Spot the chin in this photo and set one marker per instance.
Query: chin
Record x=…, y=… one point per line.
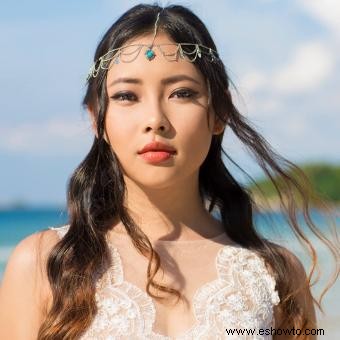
x=152, y=182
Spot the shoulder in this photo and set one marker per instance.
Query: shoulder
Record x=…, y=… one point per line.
x=34, y=245
x=30, y=253
x=24, y=289
x=29, y=256
x=286, y=259
x=251, y=270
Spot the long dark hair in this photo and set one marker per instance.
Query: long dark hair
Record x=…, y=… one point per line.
x=96, y=190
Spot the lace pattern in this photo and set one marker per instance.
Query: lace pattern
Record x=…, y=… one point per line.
x=242, y=297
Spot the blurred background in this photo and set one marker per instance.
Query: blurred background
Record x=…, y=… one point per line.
x=282, y=56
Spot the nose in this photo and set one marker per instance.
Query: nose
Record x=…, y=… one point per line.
x=156, y=118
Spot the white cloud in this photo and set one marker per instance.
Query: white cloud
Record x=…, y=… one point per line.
x=254, y=80
x=67, y=136
x=325, y=11
x=310, y=65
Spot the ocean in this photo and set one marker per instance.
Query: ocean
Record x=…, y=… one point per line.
x=16, y=224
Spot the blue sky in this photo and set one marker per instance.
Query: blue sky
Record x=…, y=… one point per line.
x=283, y=57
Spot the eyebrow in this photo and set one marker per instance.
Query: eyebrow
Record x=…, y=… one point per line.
x=165, y=81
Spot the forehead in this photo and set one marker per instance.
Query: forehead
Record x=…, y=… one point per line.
x=156, y=69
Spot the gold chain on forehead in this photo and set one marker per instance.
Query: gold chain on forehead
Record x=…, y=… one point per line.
x=187, y=51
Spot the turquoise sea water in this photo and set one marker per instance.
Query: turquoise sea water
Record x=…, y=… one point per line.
x=17, y=224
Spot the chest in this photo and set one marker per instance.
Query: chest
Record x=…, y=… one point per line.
x=234, y=291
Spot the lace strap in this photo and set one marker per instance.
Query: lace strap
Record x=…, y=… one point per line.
x=61, y=231
x=114, y=274
x=242, y=259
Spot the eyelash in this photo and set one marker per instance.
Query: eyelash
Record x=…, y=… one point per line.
x=129, y=96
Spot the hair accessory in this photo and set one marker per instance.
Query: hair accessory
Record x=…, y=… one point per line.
x=171, y=52
x=150, y=54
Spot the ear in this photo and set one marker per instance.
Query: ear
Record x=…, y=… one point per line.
x=92, y=117
x=94, y=124
x=219, y=126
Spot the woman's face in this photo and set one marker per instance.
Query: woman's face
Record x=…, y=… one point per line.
x=158, y=100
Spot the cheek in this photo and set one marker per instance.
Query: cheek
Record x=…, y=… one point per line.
x=120, y=134
x=195, y=139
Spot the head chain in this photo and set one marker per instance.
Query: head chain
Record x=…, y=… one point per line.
x=117, y=54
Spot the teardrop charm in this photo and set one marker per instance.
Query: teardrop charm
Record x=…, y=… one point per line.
x=199, y=52
x=181, y=53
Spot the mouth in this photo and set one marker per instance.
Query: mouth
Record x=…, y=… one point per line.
x=157, y=156
x=158, y=150
x=157, y=146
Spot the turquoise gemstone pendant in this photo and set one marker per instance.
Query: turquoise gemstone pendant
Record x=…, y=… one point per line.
x=150, y=54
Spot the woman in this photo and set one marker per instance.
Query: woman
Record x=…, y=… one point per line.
x=159, y=99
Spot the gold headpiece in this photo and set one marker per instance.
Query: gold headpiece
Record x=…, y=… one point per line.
x=171, y=52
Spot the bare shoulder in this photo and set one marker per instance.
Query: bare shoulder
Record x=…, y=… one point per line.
x=24, y=290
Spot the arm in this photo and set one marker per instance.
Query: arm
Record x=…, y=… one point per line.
x=23, y=293
x=297, y=275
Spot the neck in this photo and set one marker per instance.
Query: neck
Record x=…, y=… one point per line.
x=172, y=212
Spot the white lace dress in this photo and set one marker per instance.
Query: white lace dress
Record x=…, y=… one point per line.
x=227, y=288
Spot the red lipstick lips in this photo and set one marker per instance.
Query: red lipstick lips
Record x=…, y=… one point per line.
x=156, y=152
x=157, y=146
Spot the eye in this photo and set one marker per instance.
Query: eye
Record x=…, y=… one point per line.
x=124, y=96
x=184, y=93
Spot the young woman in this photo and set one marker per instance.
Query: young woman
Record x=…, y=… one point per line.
x=143, y=255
